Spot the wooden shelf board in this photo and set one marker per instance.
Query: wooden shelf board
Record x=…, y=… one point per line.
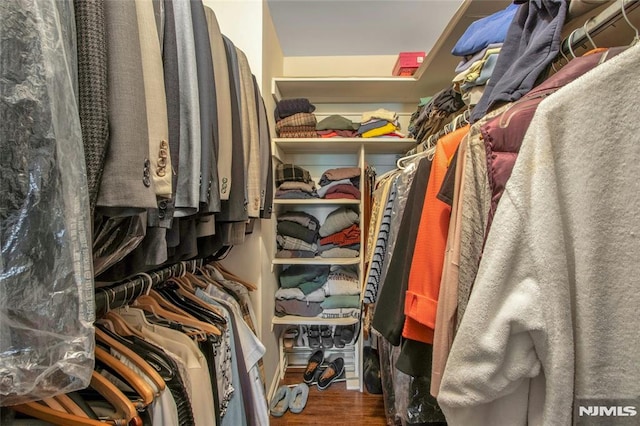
x=317, y=261
x=380, y=145
x=315, y=202
x=293, y=320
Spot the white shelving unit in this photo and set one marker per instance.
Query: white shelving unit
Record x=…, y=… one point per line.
x=318, y=155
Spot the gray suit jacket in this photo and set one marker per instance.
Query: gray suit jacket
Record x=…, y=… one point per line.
x=126, y=181
x=223, y=101
x=188, y=191
x=209, y=192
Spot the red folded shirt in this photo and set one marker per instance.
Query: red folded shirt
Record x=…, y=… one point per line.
x=346, y=237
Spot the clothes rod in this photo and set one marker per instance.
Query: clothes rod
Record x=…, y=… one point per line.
x=598, y=23
x=123, y=293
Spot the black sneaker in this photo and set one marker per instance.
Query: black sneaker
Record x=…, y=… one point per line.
x=312, y=366
x=333, y=371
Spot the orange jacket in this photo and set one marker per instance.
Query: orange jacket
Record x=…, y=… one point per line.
x=421, y=299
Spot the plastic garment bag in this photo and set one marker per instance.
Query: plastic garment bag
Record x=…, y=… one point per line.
x=46, y=278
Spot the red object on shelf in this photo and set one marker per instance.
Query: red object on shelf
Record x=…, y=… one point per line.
x=408, y=63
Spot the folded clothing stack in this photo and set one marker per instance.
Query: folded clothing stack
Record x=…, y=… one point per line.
x=295, y=118
x=380, y=122
x=294, y=182
x=341, y=183
x=342, y=291
x=297, y=235
x=340, y=234
x=301, y=291
x=337, y=126
x=479, y=47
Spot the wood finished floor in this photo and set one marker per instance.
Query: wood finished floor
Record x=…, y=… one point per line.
x=334, y=406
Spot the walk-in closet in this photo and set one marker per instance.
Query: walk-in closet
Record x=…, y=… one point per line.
x=300, y=212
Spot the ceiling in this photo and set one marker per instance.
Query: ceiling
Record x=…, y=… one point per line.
x=359, y=27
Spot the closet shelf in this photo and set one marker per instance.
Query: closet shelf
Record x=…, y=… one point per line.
x=381, y=145
x=297, y=320
x=315, y=202
x=317, y=261
x=433, y=75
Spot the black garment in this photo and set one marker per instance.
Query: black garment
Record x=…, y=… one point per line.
x=448, y=101
x=447, y=189
x=288, y=107
x=415, y=360
x=298, y=231
x=388, y=318
x=291, y=172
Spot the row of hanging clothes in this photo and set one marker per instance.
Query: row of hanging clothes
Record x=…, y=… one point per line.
x=177, y=347
x=497, y=284
x=134, y=136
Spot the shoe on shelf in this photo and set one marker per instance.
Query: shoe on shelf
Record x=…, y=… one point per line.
x=325, y=334
x=337, y=337
x=346, y=334
x=313, y=331
x=312, y=366
x=289, y=337
x=298, y=400
x=280, y=401
x=333, y=371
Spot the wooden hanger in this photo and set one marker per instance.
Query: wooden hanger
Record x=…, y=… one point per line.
x=195, y=299
x=133, y=379
x=54, y=404
x=136, y=359
x=50, y=415
x=230, y=276
x=124, y=407
x=149, y=304
x=120, y=325
x=164, y=303
x=70, y=406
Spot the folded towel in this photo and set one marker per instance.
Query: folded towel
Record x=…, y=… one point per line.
x=338, y=220
x=288, y=107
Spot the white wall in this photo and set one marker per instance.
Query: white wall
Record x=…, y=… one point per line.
x=248, y=24
x=339, y=66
